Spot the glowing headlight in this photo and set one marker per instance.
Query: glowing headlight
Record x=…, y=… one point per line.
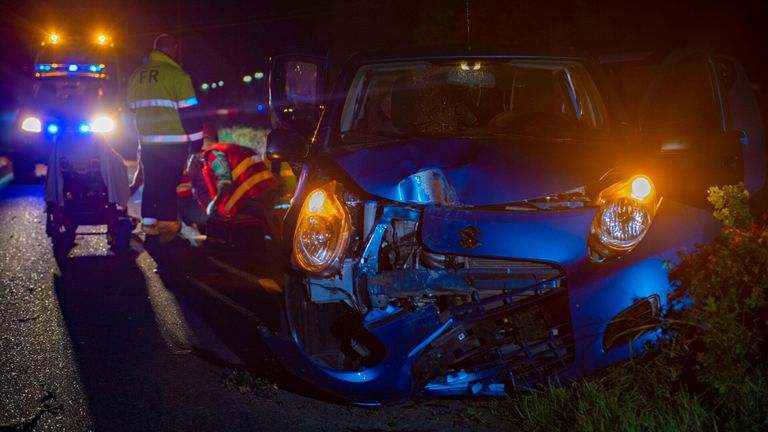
x=322, y=231
x=103, y=124
x=626, y=211
x=32, y=124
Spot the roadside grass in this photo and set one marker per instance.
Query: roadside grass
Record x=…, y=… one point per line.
x=612, y=402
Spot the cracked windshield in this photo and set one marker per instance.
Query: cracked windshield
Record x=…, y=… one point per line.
x=471, y=98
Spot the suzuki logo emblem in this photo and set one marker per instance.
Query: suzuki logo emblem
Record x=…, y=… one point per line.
x=469, y=237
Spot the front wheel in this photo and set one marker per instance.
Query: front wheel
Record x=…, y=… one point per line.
x=119, y=235
x=63, y=240
x=61, y=231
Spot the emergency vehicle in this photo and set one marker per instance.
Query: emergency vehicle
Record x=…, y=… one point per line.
x=75, y=92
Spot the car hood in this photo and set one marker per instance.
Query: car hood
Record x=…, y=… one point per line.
x=474, y=171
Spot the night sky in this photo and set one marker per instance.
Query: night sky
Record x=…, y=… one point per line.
x=224, y=39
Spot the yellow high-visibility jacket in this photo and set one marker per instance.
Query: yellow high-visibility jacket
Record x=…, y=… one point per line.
x=158, y=92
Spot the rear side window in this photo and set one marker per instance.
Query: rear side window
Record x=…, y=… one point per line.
x=685, y=93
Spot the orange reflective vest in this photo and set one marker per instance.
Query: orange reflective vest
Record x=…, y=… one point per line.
x=250, y=176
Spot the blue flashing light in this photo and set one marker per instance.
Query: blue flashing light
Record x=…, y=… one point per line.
x=53, y=128
x=47, y=67
x=84, y=128
x=72, y=68
x=260, y=107
x=93, y=68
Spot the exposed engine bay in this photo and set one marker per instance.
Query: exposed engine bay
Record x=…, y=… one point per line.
x=495, y=313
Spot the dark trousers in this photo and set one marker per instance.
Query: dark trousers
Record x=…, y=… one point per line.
x=163, y=165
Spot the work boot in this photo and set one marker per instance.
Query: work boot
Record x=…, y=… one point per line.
x=151, y=233
x=149, y=226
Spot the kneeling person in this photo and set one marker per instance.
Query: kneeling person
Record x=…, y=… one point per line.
x=236, y=178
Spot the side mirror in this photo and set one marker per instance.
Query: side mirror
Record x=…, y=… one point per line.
x=286, y=145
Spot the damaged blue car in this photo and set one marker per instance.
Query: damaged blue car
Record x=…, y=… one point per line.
x=473, y=225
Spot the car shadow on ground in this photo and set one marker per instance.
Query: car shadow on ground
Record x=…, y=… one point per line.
x=135, y=330
x=234, y=291
x=115, y=339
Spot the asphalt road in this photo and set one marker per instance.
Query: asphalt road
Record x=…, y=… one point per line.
x=98, y=341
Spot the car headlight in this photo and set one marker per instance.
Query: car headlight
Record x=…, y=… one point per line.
x=322, y=231
x=626, y=211
x=102, y=124
x=32, y=124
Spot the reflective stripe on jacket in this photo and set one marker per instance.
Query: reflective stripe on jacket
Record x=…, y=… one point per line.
x=157, y=91
x=288, y=178
x=250, y=176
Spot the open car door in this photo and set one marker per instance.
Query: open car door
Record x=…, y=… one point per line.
x=701, y=120
x=297, y=84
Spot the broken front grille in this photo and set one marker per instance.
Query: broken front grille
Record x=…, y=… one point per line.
x=520, y=337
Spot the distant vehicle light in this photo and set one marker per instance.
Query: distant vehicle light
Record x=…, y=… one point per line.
x=84, y=128
x=204, y=87
x=72, y=68
x=247, y=79
x=221, y=83
x=258, y=75
x=102, y=39
x=102, y=124
x=53, y=128
x=214, y=85
x=54, y=38
x=32, y=124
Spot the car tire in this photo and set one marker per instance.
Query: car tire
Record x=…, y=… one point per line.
x=63, y=241
x=121, y=237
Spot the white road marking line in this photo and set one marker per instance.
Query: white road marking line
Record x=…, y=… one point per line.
x=269, y=285
x=226, y=300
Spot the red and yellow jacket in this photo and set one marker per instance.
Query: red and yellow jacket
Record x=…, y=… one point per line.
x=249, y=175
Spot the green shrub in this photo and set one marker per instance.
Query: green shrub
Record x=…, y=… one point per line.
x=254, y=138
x=718, y=320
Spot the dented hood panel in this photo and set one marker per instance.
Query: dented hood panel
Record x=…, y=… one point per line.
x=474, y=171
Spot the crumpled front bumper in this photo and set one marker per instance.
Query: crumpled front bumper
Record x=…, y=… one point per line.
x=596, y=294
